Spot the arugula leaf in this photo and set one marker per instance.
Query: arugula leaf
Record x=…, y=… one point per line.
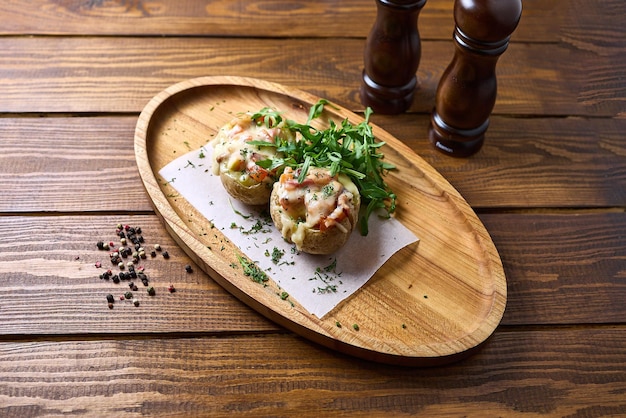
x=341, y=148
x=268, y=117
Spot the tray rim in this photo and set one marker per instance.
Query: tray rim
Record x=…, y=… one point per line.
x=183, y=236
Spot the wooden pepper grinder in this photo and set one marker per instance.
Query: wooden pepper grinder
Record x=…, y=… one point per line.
x=467, y=90
x=392, y=55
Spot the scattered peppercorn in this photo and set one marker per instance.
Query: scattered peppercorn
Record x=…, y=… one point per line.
x=355, y=326
x=110, y=305
x=130, y=240
x=188, y=269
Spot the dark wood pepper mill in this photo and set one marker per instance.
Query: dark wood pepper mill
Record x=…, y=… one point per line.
x=467, y=90
x=392, y=55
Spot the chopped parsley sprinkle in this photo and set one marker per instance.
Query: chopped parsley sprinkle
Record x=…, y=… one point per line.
x=253, y=271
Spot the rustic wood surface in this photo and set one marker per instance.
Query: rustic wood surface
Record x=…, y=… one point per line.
x=549, y=186
x=454, y=256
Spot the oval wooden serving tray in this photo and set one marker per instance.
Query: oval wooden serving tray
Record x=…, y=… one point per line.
x=430, y=304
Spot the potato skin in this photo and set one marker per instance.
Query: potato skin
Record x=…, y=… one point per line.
x=257, y=194
x=234, y=159
x=314, y=241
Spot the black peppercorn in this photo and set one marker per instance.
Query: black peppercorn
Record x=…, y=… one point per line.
x=188, y=268
x=166, y=255
x=100, y=245
x=110, y=298
x=151, y=291
x=115, y=278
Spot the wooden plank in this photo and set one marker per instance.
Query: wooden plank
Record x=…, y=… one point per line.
x=79, y=74
x=50, y=283
x=531, y=162
x=525, y=163
x=70, y=164
x=560, y=268
x=562, y=372
x=243, y=18
x=46, y=289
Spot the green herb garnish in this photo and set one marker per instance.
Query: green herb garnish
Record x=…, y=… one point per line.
x=252, y=270
x=345, y=148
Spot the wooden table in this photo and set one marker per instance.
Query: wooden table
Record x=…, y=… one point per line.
x=549, y=185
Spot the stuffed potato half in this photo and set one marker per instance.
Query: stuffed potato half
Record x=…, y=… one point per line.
x=317, y=214
x=236, y=153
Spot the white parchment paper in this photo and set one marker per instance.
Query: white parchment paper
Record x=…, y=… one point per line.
x=318, y=283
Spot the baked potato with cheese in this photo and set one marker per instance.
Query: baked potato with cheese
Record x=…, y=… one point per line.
x=237, y=150
x=317, y=214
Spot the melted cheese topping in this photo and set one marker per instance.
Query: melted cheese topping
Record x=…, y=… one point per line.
x=319, y=202
x=234, y=155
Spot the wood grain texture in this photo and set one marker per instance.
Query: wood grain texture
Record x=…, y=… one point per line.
x=114, y=74
x=45, y=290
x=549, y=186
x=49, y=275
x=461, y=273
x=524, y=373
x=525, y=163
x=228, y=18
x=585, y=272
